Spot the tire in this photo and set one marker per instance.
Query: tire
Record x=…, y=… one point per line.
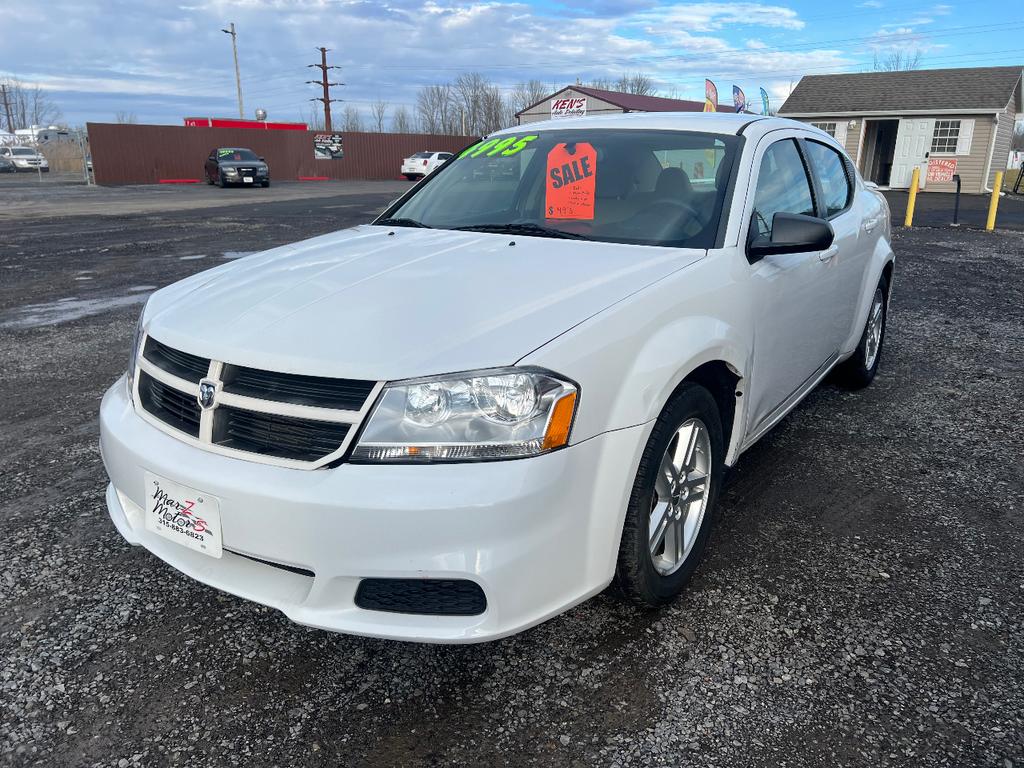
x=209, y=179
x=221, y=182
x=410, y=176
x=651, y=575
x=858, y=371
x=266, y=183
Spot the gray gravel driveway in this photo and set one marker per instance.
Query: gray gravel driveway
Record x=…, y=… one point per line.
x=861, y=603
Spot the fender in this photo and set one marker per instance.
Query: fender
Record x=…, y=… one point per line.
x=624, y=383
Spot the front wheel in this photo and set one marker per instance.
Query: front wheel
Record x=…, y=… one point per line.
x=670, y=510
x=859, y=370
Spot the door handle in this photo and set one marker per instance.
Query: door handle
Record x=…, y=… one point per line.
x=828, y=253
x=870, y=225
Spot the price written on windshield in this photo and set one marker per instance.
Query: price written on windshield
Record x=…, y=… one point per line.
x=571, y=181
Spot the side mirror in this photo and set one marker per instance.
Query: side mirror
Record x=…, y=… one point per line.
x=263, y=159
x=791, y=233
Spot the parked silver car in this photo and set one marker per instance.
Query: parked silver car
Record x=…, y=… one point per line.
x=25, y=158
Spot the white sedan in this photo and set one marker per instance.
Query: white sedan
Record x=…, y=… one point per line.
x=423, y=164
x=511, y=390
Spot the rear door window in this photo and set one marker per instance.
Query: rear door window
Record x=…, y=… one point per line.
x=828, y=166
x=782, y=185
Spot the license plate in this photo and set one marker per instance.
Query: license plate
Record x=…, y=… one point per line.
x=247, y=179
x=183, y=515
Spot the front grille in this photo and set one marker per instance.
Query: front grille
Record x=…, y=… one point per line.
x=253, y=411
x=344, y=394
x=273, y=435
x=177, y=409
x=434, y=597
x=180, y=364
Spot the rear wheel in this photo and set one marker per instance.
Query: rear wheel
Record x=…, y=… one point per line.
x=410, y=176
x=670, y=510
x=859, y=370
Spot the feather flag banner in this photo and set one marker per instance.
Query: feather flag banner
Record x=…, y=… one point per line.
x=739, y=99
x=710, y=96
x=764, y=102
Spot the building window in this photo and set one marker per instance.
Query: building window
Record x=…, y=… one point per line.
x=945, y=137
x=829, y=128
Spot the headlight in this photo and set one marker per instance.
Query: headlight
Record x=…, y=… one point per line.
x=133, y=353
x=506, y=413
x=231, y=171
x=262, y=171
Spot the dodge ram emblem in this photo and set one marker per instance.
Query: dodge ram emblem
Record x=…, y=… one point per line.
x=207, y=393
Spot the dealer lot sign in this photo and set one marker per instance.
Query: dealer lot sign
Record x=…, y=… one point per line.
x=568, y=107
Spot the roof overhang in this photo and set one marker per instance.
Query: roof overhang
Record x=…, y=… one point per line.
x=897, y=113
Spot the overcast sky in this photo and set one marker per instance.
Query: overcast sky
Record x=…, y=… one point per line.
x=164, y=60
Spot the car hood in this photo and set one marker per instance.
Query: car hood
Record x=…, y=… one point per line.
x=380, y=303
x=242, y=164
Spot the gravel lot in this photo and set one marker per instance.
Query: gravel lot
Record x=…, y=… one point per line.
x=862, y=601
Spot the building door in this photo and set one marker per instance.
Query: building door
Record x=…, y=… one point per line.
x=913, y=140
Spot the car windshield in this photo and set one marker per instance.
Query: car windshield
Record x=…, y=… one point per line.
x=628, y=186
x=24, y=151
x=246, y=155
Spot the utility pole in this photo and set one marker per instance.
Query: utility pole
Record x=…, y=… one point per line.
x=323, y=82
x=238, y=76
x=7, y=108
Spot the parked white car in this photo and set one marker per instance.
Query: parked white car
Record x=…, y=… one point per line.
x=423, y=164
x=509, y=391
x=25, y=158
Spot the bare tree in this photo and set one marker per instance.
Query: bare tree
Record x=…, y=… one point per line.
x=378, y=111
x=351, y=119
x=30, y=105
x=436, y=109
x=401, y=120
x=125, y=118
x=601, y=83
x=637, y=83
x=897, y=61
x=313, y=118
x=526, y=95
x=1018, y=137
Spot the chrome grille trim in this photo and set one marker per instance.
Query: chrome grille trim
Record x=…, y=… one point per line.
x=206, y=439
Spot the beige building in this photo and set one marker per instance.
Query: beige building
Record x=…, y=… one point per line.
x=943, y=121
x=580, y=100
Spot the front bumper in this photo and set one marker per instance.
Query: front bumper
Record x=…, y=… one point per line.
x=538, y=535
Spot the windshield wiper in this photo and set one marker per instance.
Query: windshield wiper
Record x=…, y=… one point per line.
x=400, y=222
x=522, y=228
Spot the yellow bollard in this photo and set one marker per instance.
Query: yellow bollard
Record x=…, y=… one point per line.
x=915, y=180
x=993, y=204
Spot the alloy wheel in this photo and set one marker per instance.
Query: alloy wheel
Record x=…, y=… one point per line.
x=681, y=492
x=876, y=321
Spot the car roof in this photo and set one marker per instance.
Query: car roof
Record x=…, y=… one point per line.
x=703, y=122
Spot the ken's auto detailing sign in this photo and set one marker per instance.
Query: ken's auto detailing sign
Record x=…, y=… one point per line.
x=568, y=107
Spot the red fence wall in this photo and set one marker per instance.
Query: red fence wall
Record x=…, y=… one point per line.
x=145, y=154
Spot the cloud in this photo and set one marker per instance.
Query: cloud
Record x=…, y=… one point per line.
x=165, y=61
x=871, y=4
x=708, y=17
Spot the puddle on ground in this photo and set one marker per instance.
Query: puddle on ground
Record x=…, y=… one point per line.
x=65, y=310
x=138, y=288
x=193, y=258
x=238, y=254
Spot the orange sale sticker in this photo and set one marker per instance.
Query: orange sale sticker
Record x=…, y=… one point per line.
x=571, y=177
